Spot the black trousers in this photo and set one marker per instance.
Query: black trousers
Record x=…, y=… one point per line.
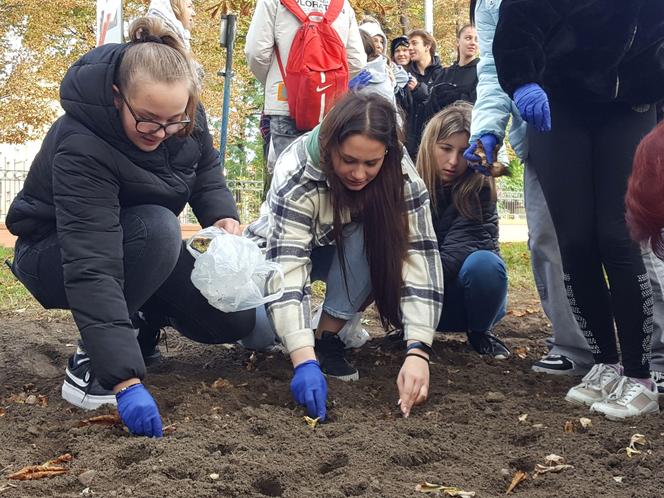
x=157, y=277
x=583, y=165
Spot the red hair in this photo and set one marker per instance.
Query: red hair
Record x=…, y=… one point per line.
x=645, y=192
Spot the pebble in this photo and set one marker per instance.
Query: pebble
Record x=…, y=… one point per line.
x=504, y=472
x=214, y=477
x=33, y=430
x=87, y=477
x=494, y=397
x=31, y=400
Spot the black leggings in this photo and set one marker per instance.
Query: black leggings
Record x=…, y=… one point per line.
x=583, y=165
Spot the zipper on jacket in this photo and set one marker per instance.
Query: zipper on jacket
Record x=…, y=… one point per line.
x=629, y=46
x=175, y=175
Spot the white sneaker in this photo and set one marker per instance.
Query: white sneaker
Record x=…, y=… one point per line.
x=595, y=386
x=629, y=398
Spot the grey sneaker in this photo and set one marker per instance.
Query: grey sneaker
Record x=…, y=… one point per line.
x=595, y=386
x=629, y=398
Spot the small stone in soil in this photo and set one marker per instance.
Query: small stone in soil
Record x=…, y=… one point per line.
x=87, y=477
x=494, y=397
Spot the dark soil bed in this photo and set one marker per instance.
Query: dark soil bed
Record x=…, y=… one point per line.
x=249, y=439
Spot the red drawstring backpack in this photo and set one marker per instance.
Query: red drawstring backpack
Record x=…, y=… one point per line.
x=317, y=70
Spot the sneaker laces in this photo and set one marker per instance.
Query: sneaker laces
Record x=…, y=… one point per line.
x=625, y=391
x=597, y=375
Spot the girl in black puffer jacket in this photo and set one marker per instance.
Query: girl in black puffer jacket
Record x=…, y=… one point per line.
x=97, y=222
x=466, y=223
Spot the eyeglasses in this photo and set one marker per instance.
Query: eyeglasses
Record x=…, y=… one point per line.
x=149, y=127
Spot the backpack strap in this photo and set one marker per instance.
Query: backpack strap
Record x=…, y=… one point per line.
x=295, y=9
x=333, y=10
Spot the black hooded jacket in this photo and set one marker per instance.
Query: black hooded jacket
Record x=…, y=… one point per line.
x=453, y=83
x=583, y=50
x=459, y=236
x=85, y=172
x=411, y=102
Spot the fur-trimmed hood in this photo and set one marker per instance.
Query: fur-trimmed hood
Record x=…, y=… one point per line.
x=597, y=50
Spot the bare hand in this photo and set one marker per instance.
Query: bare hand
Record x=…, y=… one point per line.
x=412, y=84
x=230, y=225
x=413, y=383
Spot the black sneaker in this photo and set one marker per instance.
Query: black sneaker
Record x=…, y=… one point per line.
x=658, y=379
x=331, y=356
x=80, y=387
x=485, y=343
x=558, y=364
x=149, y=333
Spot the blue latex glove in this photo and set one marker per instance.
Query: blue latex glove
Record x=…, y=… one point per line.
x=533, y=104
x=360, y=81
x=489, y=142
x=139, y=411
x=309, y=388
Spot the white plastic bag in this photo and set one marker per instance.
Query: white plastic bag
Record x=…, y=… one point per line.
x=231, y=271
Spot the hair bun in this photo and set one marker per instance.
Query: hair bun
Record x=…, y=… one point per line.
x=144, y=36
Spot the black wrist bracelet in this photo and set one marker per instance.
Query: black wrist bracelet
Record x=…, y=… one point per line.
x=418, y=355
x=421, y=346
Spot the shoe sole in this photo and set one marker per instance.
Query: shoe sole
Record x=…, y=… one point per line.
x=346, y=378
x=618, y=419
x=578, y=402
x=78, y=398
x=572, y=372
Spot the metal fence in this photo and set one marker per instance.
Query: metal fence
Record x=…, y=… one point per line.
x=248, y=195
x=511, y=204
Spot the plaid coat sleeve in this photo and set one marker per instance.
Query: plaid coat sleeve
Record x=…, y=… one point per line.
x=422, y=292
x=290, y=241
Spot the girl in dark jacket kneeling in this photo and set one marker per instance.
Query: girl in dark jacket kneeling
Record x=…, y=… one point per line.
x=97, y=222
x=466, y=224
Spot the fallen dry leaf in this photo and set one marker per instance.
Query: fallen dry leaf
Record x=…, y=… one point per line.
x=518, y=478
x=48, y=469
x=569, y=427
x=543, y=469
x=523, y=418
x=554, y=459
x=428, y=487
x=521, y=352
x=619, y=479
x=639, y=439
x=585, y=422
x=311, y=422
x=221, y=384
x=113, y=419
x=2, y=412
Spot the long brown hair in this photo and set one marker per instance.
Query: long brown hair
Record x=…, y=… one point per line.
x=156, y=53
x=380, y=205
x=454, y=118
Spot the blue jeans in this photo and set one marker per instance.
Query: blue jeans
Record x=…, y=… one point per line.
x=477, y=299
x=341, y=301
x=157, y=277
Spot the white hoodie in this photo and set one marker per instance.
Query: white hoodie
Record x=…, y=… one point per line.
x=274, y=26
x=163, y=10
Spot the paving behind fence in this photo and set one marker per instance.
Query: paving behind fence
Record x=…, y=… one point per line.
x=248, y=195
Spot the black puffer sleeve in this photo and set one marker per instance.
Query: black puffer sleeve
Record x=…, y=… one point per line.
x=87, y=211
